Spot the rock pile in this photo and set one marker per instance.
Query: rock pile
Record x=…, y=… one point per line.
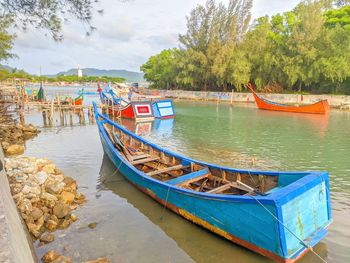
x=53, y=256
x=12, y=137
x=43, y=195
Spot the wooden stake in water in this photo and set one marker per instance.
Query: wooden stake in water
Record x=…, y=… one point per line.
x=231, y=102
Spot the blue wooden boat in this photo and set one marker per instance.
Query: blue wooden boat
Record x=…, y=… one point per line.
x=280, y=215
x=163, y=109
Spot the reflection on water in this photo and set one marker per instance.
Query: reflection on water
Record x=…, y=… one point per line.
x=200, y=244
x=133, y=228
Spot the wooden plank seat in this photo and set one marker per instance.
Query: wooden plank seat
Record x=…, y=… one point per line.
x=227, y=186
x=144, y=160
x=165, y=170
x=140, y=156
x=197, y=175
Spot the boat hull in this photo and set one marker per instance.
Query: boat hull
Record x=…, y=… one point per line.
x=320, y=107
x=140, y=111
x=239, y=219
x=78, y=102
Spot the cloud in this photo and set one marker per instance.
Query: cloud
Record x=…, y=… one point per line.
x=118, y=31
x=33, y=40
x=127, y=34
x=163, y=41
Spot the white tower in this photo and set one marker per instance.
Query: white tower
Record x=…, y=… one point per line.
x=80, y=72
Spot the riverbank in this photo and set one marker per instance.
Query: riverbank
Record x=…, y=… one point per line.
x=336, y=101
x=36, y=198
x=15, y=243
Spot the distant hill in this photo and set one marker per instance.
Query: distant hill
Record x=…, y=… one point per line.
x=130, y=76
x=6, y=67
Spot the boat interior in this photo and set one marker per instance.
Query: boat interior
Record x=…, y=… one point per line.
x=185, y=174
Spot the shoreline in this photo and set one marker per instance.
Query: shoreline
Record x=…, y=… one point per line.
x=341, y=102
x=15, y=240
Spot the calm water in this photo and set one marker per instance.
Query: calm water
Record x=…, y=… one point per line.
x=133, y=228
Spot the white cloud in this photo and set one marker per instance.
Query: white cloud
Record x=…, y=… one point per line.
x=127, y=34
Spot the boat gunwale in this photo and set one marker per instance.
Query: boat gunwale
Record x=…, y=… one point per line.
x=279, y=197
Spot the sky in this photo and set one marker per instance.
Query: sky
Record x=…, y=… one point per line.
x=127, y=34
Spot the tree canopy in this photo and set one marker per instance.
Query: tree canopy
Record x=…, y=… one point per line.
x=48, y=14
x=305, y=49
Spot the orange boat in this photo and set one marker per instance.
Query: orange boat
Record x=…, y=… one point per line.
x=320, y=107
x=78, y=100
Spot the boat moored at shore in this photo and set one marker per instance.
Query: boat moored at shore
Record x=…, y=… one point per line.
x=320, y=107
x=280, y=215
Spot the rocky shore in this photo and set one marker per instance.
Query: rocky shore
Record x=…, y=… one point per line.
x=44, y=197
x=46, y=200
x=13, y=136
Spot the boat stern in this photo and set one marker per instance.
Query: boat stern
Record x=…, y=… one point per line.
x=304, y=214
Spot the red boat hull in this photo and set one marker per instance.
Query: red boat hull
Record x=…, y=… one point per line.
x=134, y=110
x=320, y=107
x=78, y=102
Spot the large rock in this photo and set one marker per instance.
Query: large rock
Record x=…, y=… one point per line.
x=61, y=210
x=51, y=225
x=49, y=168
x=48, y=197
x=36, y=213
x=54, y=187
x=34, y=229
x=67, y=197
x=29, y=128
x=71, y=184
x=47, y=237
x=41, y=177
x=79, y=198
x=25, y=206
x=50, y=256
x=15, y=149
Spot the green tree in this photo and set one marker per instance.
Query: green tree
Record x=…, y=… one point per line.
x=160, y=70
x=47, y=14
x=6, y=40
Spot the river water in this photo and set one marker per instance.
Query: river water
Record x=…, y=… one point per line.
x=131, y=227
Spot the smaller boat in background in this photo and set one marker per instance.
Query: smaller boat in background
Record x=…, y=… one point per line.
x=138, y=110
x=141, y=110
x=320, y=107
x=79, y=100
x=163, y=109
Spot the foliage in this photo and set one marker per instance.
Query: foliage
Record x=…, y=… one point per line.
x=160, y=68
x=306, y=49
x=48, y=14
x=6, y=40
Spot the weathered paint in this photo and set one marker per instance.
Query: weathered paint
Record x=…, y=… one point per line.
x=241, y=219
x=188, y=176
x=163, y=109
x=311, y=210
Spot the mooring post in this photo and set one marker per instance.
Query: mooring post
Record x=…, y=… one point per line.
x=70, y=117
x=231, y=103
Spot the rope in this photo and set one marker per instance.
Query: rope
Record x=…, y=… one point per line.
x=290, y=231
x=166, y=202
x=115, y=171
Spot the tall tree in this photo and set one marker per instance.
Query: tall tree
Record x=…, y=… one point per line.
x=46, y=14
x=6, y=40
x=160, y=69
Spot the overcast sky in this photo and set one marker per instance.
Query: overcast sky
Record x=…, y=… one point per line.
x=127, y=34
